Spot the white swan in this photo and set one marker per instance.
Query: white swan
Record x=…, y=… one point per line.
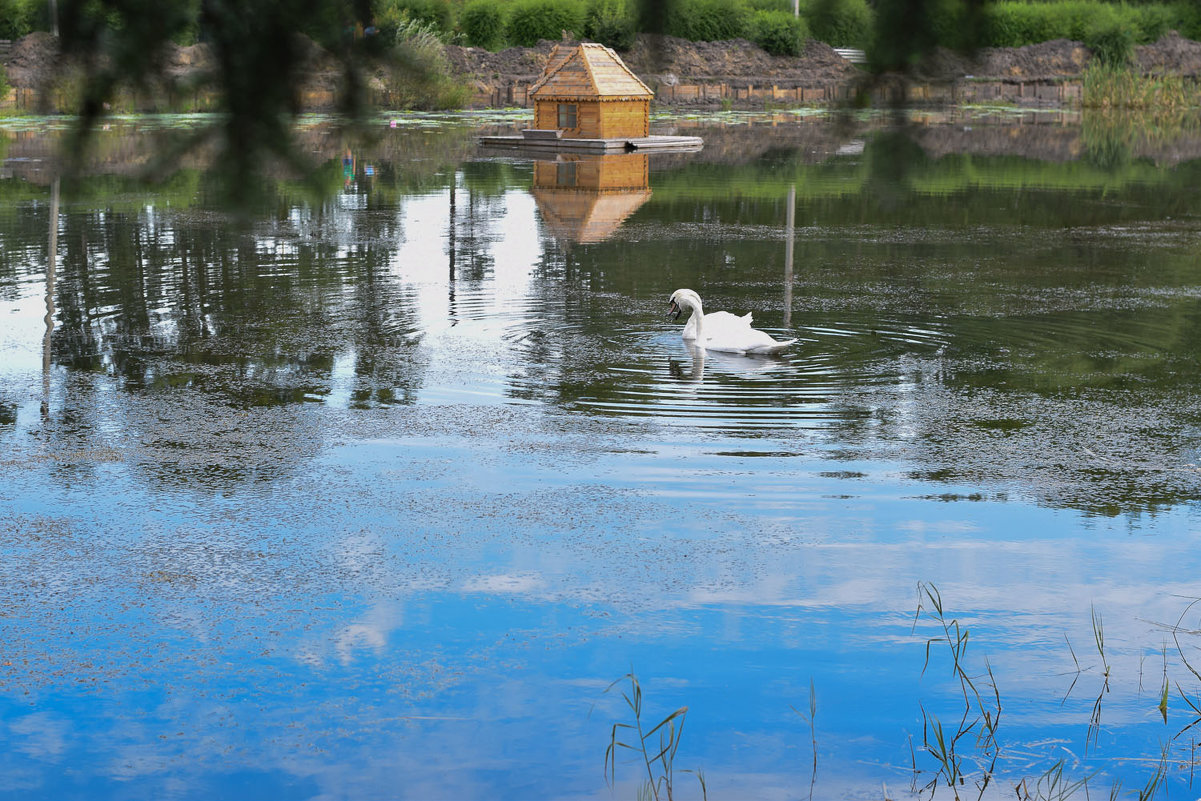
x=721, y=331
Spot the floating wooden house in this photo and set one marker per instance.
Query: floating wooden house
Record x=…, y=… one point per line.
x=587, y=92
x=588, y=100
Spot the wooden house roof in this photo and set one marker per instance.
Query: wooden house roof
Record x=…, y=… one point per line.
x=588, y=71
x=586, y=215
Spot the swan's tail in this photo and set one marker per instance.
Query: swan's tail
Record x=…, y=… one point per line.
x=775, y=347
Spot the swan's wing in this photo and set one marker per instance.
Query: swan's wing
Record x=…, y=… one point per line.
x=742, y=339
x=774, y=347
x=722, y=318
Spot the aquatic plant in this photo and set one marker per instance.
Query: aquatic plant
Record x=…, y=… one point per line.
x=811, y=718
x=1094, y=720
x=1053, y=786
x=1120, y=86
x=981, y=713
x=657, y=753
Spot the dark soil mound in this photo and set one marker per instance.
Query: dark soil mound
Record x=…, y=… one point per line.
x=1172, y=55
x=667, y=59
x=1043, y=61
x=1055, y=59
x=33, y=59
x=1060, y=58
x=514, y=63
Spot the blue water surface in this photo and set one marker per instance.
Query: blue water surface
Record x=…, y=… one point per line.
x=379, y=495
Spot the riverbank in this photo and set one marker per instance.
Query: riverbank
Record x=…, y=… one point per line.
x=739, y=75
x=733, y=74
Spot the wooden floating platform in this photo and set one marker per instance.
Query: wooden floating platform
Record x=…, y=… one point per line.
x=625, y=144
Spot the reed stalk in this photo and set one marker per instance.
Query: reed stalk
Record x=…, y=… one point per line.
x=1114, y=87
x=657, y=754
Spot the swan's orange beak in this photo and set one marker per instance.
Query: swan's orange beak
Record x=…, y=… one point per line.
x=673, y=311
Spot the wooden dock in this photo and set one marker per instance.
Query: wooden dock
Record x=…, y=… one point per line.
x=627, y=144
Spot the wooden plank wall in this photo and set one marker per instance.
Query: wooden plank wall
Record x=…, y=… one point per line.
x=589, y=119
x=605, y=119
x=617, y=171
x=610, y=172
x=621, y=118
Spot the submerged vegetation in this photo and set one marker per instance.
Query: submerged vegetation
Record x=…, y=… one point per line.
x=962, y=754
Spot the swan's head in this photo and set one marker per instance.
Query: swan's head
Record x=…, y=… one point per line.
x=682, y=299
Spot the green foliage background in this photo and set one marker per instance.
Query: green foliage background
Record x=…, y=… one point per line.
x=900, y=30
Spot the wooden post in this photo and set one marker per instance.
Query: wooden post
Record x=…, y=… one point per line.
x=51, y=261
x=789, y=234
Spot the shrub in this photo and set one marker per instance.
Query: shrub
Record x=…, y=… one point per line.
x=1112, y=42
x=1185, y=17
x=1153, y=22
x=611, y=22
x=483, y=24
x=532, y=20
x=422, y=81
x=957, y=24
x=840, y=23
x=13, y=21
x=1012, y=24
x=31, y=15
x=390, y=15
x=1009, y=24
x=708, y=20
x=779, y=32
x=774, y=5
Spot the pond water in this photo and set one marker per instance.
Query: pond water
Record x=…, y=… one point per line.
x=374, y=492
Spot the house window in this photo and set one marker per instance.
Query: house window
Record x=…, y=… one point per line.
x=567, y=115
x=565, y=173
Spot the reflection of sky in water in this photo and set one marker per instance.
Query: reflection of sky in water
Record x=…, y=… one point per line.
x=317, y=596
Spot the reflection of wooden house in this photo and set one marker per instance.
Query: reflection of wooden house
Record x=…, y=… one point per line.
x=586, y=198
x=587, y=92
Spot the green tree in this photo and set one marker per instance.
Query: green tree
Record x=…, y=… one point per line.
x=841, y=23
x=533, y=20
x=483, y=24
x=259, y=50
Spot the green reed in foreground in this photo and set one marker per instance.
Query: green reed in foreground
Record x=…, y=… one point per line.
x=657, y=755
x=981, y=713
x=963, y=754
x=811, y=719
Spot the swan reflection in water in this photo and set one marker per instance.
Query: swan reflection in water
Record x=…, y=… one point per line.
x=729, y=363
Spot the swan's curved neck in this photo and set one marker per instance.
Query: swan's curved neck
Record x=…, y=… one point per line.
x=697, y=320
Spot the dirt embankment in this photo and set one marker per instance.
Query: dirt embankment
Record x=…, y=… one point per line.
x=1061, y=58
x=664, y=61
x=667, y=61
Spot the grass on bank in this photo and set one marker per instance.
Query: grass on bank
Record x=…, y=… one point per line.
x=1112, y=86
